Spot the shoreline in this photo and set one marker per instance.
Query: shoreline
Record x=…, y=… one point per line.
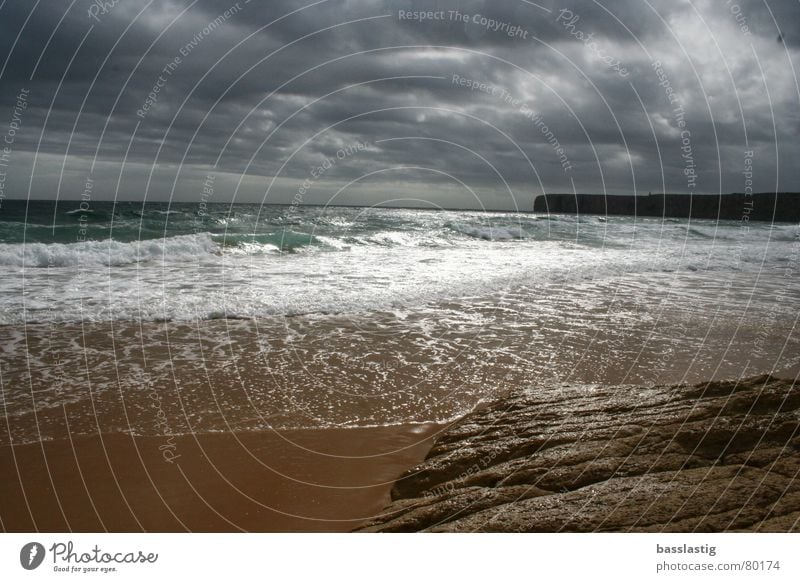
x=713, y=457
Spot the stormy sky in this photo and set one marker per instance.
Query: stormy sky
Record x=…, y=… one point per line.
x=471, y=104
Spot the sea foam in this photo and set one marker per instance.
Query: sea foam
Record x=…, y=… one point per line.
x=107, y=252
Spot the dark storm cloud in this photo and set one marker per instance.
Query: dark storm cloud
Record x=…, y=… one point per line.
x=160, y=94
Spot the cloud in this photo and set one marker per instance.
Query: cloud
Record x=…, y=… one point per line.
x=503, y=99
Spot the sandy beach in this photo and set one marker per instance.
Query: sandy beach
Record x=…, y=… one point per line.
x=304, y=424
x=711, y=457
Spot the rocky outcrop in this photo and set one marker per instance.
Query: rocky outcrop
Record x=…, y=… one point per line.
x=711, y=457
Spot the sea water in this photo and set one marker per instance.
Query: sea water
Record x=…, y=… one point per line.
x=246, y=316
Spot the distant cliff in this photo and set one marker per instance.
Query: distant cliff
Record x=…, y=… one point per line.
x=780, y=207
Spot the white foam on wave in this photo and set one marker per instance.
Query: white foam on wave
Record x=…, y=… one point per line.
x=364, y=278
x=107, y=252
x=490, y=233
x=199, y=277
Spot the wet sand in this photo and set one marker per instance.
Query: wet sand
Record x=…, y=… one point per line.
x=269, y=400
x=306, y=480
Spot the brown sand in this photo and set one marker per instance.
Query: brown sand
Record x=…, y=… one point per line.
x=311, y=480
x=66, y=382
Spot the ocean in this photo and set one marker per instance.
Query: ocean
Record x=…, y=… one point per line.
x=158, y=319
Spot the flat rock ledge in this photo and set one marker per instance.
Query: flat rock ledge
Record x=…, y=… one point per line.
x=719, y=456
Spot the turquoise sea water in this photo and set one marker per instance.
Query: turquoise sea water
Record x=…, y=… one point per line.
x=186, y=261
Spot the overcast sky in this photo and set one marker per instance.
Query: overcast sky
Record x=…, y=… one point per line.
x=479, y=104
